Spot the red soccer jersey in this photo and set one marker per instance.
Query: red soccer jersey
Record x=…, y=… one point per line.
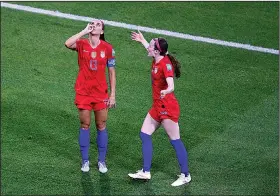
x=91, y=79
x=160, y=71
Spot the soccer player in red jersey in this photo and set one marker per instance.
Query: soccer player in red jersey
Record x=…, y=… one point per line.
x=94, y=55
x=165, y=110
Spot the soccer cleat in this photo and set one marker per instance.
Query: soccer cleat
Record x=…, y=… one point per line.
x=102, y=167
x=140, y=174
x=85, y=166
x=182, y=180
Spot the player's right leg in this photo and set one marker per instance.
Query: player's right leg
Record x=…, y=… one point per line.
x=84, y=109
x=84, y=137
x=148, y=128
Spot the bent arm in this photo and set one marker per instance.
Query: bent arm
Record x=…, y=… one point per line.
x=170, y=88
x=170, y=83
x=71, y=42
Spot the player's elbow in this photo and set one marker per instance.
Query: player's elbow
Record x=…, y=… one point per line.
x=67, y=45
x=172, y=89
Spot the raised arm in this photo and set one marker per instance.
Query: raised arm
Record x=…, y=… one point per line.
x=139, y=38
x=71, y=42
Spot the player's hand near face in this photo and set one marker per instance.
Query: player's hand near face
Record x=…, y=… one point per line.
x=71, y=42
x=88, y=29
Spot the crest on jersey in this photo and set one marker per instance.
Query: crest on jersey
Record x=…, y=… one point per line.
x=102, y=54
x=93, y=55
x=169, y=67
x=155, y=70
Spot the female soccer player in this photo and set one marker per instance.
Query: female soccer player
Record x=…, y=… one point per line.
x=94, y=55
x=165, y=109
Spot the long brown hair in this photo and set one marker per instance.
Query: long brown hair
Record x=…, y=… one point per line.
x=161, y=45
x=102, y=36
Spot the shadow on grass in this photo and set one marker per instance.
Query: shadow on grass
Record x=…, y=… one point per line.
x=87, y=184
x=144, y=186
x=90, y=188
x=104, y=184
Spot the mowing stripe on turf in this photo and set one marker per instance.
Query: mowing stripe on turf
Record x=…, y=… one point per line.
x=141, y=28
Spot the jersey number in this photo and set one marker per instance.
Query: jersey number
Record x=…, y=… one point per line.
x=93, y=64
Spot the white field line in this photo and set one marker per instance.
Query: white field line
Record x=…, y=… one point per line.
x=141, y=28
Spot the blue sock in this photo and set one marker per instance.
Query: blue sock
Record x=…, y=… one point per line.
x=84, y=139
x=181, y=154
x=102, y=143
x=147, y=151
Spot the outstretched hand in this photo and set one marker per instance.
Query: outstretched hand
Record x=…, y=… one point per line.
x=137, y=36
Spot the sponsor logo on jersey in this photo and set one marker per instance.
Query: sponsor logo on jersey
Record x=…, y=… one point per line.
x=93, y=55
x=163, y=113
x=169, y=67
x=85, y=51
x=102, y=54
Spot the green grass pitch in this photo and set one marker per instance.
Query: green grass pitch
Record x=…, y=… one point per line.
x=228, y=98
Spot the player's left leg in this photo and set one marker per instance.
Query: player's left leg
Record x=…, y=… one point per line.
x=172, y=129
x=102, y=138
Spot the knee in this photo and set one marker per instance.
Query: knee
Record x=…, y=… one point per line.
x=174, y=137
x=144, y=136
x=100, y=125
x=85, y=125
